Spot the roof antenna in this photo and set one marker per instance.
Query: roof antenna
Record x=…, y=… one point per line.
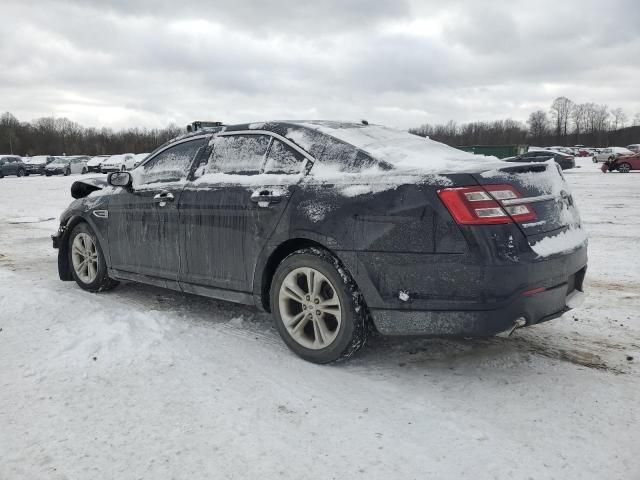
x=364, y=122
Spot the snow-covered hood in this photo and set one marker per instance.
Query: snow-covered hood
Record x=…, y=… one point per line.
x=37, y=160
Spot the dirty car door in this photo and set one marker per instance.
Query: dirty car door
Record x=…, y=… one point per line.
x=143, y=220
x=233, y=206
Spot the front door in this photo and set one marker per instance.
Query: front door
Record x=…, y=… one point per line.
x=143, y=220
x=232, y=207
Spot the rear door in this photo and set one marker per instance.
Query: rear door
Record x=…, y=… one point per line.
x=143, y=220
x=233, y=205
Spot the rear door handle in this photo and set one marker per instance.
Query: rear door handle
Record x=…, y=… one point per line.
x=163, y=198
x=264, y=198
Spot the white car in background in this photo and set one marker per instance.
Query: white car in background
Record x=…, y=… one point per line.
x=138, y=158
x=610, y=154
x=93, y=165
x=117, y=163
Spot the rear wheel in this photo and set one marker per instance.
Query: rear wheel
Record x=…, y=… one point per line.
x=84, y=170
x=86, y=260
x=67, y=172
x=595, y=160
x=317, y=307
x=624, y=168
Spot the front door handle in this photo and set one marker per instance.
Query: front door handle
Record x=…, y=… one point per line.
x=264, y=198
x=163, y=198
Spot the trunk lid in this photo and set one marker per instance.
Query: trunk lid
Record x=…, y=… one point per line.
x=543, y=188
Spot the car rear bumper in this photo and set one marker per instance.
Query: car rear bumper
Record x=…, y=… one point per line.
x=442, y=295
x=533, y=309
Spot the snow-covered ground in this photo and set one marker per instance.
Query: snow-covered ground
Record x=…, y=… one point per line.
x=147, y=383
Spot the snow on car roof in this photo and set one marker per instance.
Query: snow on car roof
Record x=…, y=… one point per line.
x=401, y=149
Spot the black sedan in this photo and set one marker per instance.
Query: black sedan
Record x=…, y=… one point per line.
x=565, y=160
x=336, y=229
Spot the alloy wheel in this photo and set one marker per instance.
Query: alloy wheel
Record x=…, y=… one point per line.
x=84, y=256
x=310, y=308
x=624, y=168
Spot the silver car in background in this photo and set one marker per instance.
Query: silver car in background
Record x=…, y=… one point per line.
x=610, y=154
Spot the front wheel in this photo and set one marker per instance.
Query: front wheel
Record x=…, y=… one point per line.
x=595, y=160
x=318, y=309
x=67, y=172
x=20, y=173
x=624, y=168
x=84, y=170
x=86, y=259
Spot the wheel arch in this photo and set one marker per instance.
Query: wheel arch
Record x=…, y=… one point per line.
x=264, y=275
x=66, y=227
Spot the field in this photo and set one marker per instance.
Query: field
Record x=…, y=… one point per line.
x=141, y=382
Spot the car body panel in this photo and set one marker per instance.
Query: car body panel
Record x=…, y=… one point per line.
x=410, y=259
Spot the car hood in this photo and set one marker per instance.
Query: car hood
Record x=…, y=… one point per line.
x=84, y=187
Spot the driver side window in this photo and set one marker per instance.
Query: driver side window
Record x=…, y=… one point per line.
x=170, y=165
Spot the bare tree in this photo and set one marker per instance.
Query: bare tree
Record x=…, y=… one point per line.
x=636, y=120
x=578, y=116
x=538, y=124
x=560, y=111
x=619, y=118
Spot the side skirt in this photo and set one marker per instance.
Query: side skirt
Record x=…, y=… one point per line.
x=245, y=298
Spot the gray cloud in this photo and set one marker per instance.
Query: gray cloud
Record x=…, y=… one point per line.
x=401, y=63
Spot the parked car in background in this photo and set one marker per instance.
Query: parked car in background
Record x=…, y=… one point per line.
x=138, y=158
x=12, y=165
x=336, y=229
x=623, y=163
x=94, y=163
x=117, y=163
x=37, y=163
x=67, y=165
x=564, y=160
x=609, y=154
x=565, y=150
x=635, y=148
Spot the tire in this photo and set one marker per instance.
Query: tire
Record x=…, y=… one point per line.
x=96, y=278
x=595, y=160
x=67, y=172
x=333, y=334
x=624, y=167
x=20, y=173
x=84, y=170
x=47, y=174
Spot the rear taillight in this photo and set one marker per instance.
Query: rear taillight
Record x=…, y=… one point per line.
x=483, y=205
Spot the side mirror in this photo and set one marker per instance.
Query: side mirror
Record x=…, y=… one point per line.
x=119, y=179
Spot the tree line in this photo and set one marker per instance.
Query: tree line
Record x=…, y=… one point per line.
x=57, y=136
x=566, y=124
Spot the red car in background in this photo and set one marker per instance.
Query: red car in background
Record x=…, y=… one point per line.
x=623, y=164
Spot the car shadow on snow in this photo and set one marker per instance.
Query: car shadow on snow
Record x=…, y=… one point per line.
x=520, y=351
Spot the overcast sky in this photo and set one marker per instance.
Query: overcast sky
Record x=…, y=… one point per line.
x=401, y=63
